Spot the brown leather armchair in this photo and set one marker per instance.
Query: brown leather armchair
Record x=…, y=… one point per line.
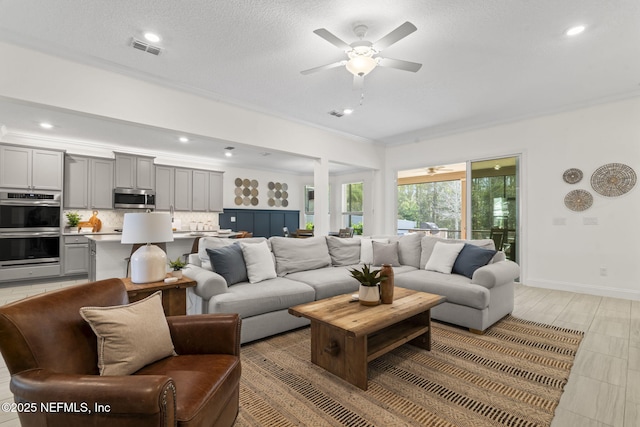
x=51, y=353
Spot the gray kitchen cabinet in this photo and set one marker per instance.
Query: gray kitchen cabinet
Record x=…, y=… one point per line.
x=76, y=182
x=75, y=255
x=88, y=182
x=188, y=189
x=165, y=182
x=215, y=192
x=183, y=189
x=135, y=171
x=200, y=193
x=30, y=168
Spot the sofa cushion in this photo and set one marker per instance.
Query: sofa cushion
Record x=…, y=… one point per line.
x=409, y=248
x=259, y=261
x=443, y=257
x=251, y=299
x=343, y=251
x=458, y=289
x=471, y=258
x=300, y=254
x=428, y=242
x=229, y=263
x=385, y=253
x=366, y=249
x=218, y=242
x=130, y=336
x=328, y=282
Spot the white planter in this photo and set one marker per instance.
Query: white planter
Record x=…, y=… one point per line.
x=369, y=295
x=177, y=273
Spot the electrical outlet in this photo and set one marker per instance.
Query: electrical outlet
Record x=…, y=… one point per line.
x=603, y=271
x=233, y=219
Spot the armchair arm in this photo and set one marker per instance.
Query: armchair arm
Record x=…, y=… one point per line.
x=132, y=396
x=496, y=274
x=208, y=284
x=206, y=333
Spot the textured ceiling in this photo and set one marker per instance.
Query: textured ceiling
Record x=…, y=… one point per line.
x=484, y=62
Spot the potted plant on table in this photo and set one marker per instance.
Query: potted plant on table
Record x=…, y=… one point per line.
x=73, y=218
x=369, y=293
x=177, y=265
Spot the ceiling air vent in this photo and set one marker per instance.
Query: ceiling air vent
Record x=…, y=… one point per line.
x=336, y=113
x=145, y=47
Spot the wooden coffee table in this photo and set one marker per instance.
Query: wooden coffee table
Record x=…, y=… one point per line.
x=346, y=336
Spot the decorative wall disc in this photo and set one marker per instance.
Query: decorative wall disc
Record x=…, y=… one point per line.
x=277, y=194
x=572, y=175
x=246, y=192
x=578, y=200
x=613, y=179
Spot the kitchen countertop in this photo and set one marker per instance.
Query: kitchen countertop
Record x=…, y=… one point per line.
x=115, y=237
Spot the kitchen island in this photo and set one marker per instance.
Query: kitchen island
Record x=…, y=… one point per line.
x=108, y=257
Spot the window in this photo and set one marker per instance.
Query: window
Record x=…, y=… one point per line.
x=352, y=211
x=309, y=208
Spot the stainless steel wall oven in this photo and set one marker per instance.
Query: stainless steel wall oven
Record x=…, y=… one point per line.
x=29, y=228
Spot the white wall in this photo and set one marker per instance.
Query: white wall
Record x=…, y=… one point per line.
x=567, y=256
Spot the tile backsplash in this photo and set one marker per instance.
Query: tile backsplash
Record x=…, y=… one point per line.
x=114, y=218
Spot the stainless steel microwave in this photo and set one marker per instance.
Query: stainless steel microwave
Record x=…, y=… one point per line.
x=134, y=198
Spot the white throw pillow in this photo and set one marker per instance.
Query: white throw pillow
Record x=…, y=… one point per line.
x=366, y=249
x=259, y=261
x=443, y=257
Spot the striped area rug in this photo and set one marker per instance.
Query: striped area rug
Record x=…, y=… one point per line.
x=511, y=376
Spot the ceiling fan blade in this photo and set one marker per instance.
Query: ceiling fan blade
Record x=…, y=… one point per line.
x=323, y=67
x=399, y=64
x=325, y=34
x=398, y=34
x=358, y=82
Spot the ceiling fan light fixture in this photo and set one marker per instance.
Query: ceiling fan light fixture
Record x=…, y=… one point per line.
x=361, y=65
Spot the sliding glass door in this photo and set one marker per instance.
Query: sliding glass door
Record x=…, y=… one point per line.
x=494, y=203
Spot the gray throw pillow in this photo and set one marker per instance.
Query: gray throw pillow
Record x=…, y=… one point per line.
x=344, y=251
x=229, y=263
x=293, y=255
x=385, y=253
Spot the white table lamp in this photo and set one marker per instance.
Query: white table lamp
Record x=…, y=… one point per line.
x=149, y=262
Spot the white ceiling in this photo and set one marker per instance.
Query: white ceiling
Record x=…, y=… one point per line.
x=484, y=62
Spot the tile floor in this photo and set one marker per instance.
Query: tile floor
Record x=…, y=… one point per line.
x=604, y=386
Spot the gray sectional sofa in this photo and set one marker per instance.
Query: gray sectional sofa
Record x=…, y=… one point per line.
x=288, y=271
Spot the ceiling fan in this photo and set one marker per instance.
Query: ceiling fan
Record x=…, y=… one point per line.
x=434, y=170
x=362, y=54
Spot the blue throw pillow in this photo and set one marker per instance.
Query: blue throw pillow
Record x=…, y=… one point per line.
x=229, y=263
x=471, y=258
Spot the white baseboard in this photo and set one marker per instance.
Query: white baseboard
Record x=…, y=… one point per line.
x=603, y=291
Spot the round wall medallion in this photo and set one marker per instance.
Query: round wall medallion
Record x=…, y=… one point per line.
x=254, y=183
x=578, y=200
x=613, y=179
x=271, y=186
x=238, y=182
x=572, y=175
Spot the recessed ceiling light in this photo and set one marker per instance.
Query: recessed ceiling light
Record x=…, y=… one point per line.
x=347, y=111
x=574, y=31
x=228, y=153
x=153, y=38
x=183, y=139
x=45, y=125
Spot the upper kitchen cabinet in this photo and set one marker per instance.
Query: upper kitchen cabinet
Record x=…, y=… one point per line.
x=188, y=189
x=88, y=182
x=164, y=187
x=30, y=168
x=135, y=171
x=215, y=192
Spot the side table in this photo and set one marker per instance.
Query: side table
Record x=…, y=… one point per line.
x=174, y=295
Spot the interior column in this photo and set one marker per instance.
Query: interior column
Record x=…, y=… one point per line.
x=321, y=199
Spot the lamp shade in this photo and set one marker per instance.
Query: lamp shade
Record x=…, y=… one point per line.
x=148, y=227
x=149, y=262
